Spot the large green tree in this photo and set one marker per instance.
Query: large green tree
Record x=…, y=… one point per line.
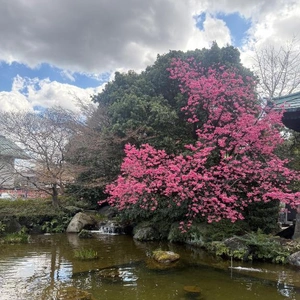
x=146, y=107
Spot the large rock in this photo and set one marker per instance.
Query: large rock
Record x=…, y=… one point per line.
x=165, y=257
x=81, y=221
x=146, y=232
x=294, y=259
x=236, y=243
x=108, y=211
x=12, y=225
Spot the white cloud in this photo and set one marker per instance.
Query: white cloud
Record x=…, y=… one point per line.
x=213, y=30
x=93, y=36
x=13, y=101
x=273, y=26
x=28, y=93
x=96, y=36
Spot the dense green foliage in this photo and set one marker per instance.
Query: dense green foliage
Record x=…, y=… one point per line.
x=263, y=216
x=291, y=150
x=86, y=197
x=145, y=107
x=255, y=247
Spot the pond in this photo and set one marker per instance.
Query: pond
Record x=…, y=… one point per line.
x=46, y=269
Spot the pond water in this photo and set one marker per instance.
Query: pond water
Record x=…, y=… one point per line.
x=46, y=269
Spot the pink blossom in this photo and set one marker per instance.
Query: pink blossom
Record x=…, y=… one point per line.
x=232, y=157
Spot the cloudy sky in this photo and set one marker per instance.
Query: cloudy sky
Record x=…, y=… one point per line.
x=52, y=52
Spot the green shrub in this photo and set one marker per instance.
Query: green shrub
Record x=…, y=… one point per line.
x=219, y=231
x=85, y=197
x=263, y=216
x=267, y=248
x=257, y=247
x=57, y=225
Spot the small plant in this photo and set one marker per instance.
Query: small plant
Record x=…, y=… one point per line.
x=57, y=225
x=85, y=254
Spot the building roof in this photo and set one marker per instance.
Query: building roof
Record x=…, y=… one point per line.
x=291, y=105
x=8, y=148
x=290, y=102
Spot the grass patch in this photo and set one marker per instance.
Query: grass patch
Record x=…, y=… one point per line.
x=32, y=207
x=86, y=254
x=37, y=215
x=15, y=238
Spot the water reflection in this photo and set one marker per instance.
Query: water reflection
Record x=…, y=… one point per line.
x=123, y=272
x=20, y=276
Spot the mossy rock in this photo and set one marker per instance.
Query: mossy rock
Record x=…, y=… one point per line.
x=154, y=265
x=146, y=232
x=193, y=292
x=111, y=274
x=165, y=257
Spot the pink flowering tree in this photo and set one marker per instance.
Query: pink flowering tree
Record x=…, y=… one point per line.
x=230, y=165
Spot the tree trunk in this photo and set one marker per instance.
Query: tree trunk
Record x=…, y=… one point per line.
x=55, y=200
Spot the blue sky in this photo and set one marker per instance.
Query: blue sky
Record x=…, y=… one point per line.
x=237, y=25
x=45, y=62
x=9, y=71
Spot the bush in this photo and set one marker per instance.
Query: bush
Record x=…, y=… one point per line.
x=85, y=197
x=219, y=231
x=257, y=247
x=58, y=224
x=263, y=216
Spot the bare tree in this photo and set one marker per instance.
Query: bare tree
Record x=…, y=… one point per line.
x=278, y=69
x=44, y=137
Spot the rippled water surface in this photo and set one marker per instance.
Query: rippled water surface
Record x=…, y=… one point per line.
x=46, y=269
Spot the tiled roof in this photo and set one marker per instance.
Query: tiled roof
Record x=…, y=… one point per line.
x=8, y=148
x=291, y=102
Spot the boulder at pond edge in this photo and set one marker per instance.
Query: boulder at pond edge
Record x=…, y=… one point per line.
x=81, y=221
